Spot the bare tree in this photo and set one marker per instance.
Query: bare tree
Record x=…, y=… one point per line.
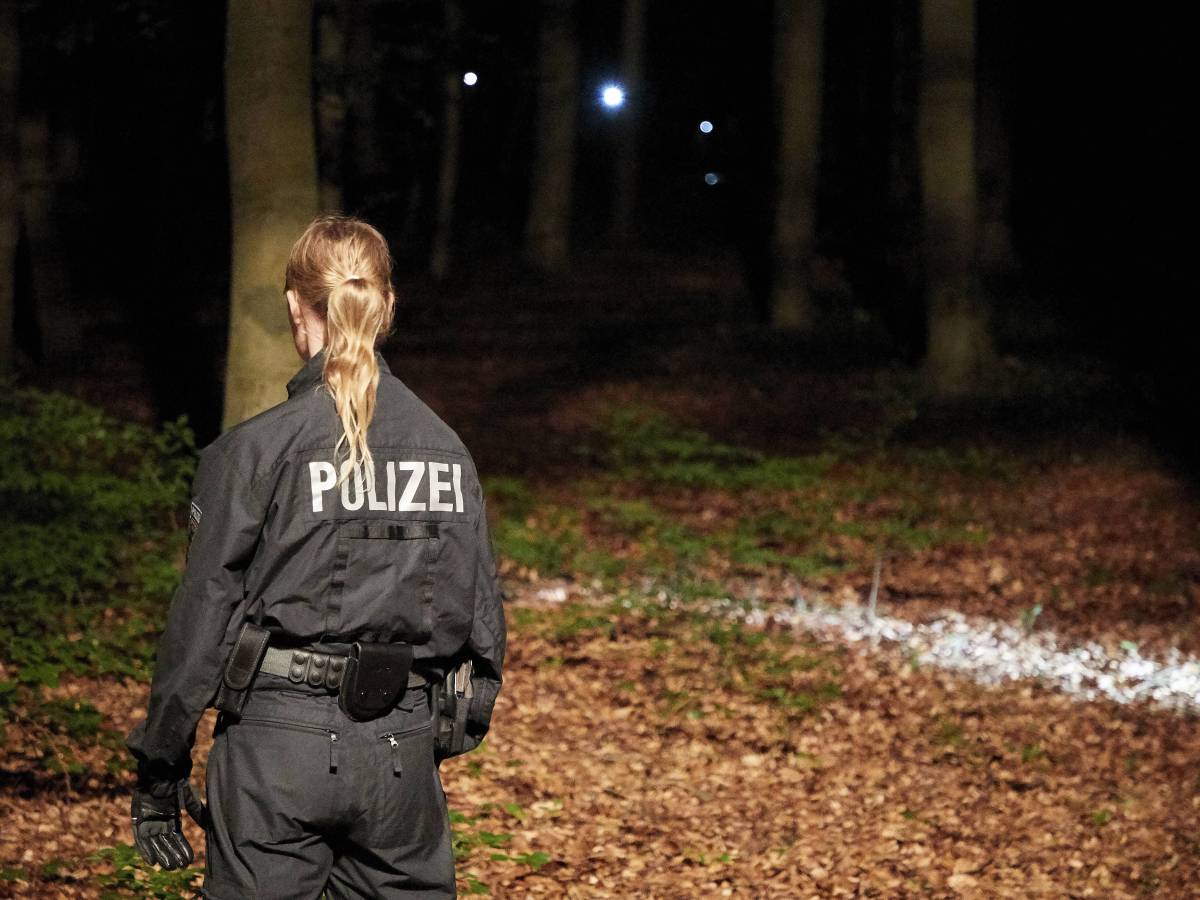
x=997, y=40
x=798, y=82
x=633, y=45
x=959, y=346
x=331, y=103
x=547, y=230
x=10, y=219
x=59, y=325
x=273, y=185
x=365, y=161
x=439, y=261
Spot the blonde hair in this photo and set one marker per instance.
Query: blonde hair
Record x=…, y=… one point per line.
x=340, y=267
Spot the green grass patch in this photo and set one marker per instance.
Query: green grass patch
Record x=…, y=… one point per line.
x=132, y=876
x=948, y=733
x=545, y=541
x=642, y=443
x=812, y=516
x=803, y=701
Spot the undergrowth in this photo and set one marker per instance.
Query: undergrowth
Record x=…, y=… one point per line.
x=90, y=536
x=669, y=502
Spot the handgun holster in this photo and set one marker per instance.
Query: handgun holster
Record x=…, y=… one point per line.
x=240, y=668
x=450, y=703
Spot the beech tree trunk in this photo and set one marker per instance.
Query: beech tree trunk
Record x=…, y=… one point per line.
x=331, y=104
x=59, y=324
x=447, y=187
x=959, y=346
x=798, y=82
x=273, y=184
x=633, y=45
x=547, y=230
x=993, y=142
x=364, y=162
x=10, y=219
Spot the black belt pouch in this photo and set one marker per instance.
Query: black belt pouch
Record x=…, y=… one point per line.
x=376, y=675
x=240, y=668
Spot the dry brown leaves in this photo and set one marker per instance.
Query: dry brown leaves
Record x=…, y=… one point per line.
x=913, y=783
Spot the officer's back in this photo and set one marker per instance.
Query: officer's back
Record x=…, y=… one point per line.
x=339, y=601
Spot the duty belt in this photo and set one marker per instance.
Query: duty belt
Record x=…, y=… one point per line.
x=314, y=668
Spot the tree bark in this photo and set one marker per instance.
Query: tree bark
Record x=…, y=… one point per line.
x=59, y=325
x=798, y=83
x=439, y=260
x=331, y=104
x=959, y=346
x=547, y=230
x=633, y=44
x=904, y=302
x=364, y=162
x=10, y=220
x=273, y=185
x=997, y=261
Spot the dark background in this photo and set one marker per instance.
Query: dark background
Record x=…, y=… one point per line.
x=1097, y=118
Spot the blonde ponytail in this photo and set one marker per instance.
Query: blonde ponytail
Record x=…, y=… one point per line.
x=341, y=267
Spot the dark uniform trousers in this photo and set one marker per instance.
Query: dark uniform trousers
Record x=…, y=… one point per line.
x=305, y=800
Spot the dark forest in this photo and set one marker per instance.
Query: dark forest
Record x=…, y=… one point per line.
x=826, y=367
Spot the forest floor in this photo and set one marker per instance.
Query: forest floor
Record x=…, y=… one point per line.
x=641, y=466
x=639, y=752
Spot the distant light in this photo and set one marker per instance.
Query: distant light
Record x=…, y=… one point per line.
x=706, y=126
x=470, y=78
x=612, y=95
x=712, y=178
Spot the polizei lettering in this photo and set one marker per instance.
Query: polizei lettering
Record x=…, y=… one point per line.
x=414, y=485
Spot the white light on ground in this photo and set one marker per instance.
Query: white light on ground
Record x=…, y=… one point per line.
x=992, y=652
x=712, y=178
x=612, y=95
x=706, y=126
x=469, y=79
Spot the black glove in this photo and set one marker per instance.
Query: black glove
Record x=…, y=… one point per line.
x=156, y=823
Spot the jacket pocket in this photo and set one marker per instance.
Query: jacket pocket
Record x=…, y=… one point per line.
x=382, y=581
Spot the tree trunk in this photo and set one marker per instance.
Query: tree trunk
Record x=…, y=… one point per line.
x=904, y=302
x=633, y=43
x=997, y=262
x=798, y=82
x=331, y=104
x=59, y=324
x=959, y=347
x=439, y=261
x=364, y=162
x=547, y=230
x=273, y=187
x=10, y=221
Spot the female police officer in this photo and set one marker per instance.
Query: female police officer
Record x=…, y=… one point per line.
x=339, y=563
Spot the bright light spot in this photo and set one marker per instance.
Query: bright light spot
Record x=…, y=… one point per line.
x=711, y=178
x=612, y=95
x=469, y=79
x=706, y=126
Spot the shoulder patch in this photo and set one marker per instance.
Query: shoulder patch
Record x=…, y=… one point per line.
x=194, y=518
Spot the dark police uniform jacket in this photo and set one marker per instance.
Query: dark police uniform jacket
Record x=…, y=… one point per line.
x=275, y=540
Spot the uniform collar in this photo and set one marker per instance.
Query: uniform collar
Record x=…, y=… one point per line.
x=310, y=373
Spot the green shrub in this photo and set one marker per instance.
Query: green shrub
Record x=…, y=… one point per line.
x=91, y=531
